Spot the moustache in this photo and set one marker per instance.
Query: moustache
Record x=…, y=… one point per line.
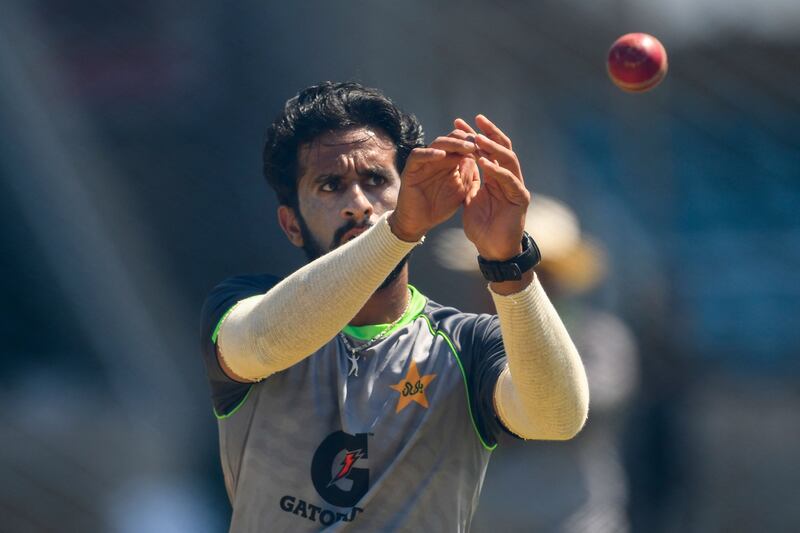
x=339, y=233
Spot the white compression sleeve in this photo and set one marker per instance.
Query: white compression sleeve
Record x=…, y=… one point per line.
x=270, y=332
x=543, y=394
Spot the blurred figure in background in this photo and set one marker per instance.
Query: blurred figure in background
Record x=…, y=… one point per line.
x=581, y=485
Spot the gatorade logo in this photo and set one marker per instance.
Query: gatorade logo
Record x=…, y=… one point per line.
x=339, y=468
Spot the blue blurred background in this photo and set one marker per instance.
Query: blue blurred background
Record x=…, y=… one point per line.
x=130, y=139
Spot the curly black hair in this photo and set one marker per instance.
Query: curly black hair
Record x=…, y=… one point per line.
x=329, y=107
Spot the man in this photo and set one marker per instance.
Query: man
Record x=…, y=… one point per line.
x=345, y=398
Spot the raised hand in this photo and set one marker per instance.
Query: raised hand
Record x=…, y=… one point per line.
x=494, y=211
x=432, y=186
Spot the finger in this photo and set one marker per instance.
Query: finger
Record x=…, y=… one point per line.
x=452, y=161
x=495, y=151
x=453, y=182
x=469, y=172
x=463, y=135
x=492, y=131
x=453, y=145
x=463, y=125
x=469, y=166
x=434, y=169
x=512, y=188
x=420, y=156
x=464, y=175
x=500, y=179
x=465, y=182
x=427, y=154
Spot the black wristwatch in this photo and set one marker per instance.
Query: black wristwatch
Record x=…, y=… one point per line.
x=512, y=269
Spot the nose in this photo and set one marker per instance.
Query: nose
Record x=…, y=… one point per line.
x=357, y=206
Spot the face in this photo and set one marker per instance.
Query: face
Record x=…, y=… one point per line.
x=348, y=179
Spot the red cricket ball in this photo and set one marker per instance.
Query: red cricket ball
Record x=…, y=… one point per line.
x=637, y=62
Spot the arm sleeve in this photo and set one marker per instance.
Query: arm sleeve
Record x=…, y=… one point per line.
x=268, y=333
x=543, y=394
x=225, y=392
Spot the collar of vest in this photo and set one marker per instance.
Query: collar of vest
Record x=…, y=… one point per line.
x=365, y=333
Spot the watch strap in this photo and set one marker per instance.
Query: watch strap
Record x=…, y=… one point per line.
x=512, y=269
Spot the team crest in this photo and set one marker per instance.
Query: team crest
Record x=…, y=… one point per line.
x=412, y=388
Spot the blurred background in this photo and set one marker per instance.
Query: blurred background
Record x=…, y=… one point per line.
x=130, y=184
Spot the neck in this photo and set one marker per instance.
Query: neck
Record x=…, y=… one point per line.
x=386, y=305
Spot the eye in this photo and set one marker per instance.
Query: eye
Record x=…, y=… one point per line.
x=376, y=180
x=331, y=185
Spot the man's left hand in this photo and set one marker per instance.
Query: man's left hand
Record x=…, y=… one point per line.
x=494, y=212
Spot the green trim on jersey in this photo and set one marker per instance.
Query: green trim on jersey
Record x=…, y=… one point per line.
x=365, y=333
x=238, y=406
x=463, y=375
x=219, y=324
x=214, y=340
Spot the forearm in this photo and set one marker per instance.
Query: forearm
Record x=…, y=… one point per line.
x=267, y=333
x=544, y=393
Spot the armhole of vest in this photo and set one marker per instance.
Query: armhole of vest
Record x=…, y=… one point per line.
x=214, y=336
x=239, y=404
x=215, y=333
x=453, y=350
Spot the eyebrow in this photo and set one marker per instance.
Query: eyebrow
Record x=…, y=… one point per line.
x=370, y=172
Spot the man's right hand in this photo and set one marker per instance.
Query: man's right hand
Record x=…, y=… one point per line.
x=432, y=187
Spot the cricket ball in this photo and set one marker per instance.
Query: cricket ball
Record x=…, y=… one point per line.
x=637, y=62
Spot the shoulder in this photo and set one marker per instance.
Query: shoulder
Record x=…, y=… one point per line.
x=445, y=315
x=461, y=327
x=241, y=286
x=247, y=283
x=230, y=291
x=227, y=394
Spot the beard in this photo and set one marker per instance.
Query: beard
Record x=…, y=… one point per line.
x=314, y=250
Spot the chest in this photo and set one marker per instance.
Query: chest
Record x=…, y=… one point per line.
x=323, y=431
x=394, y=385
x=409, y=388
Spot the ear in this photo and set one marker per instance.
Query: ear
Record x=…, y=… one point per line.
x=287, y=219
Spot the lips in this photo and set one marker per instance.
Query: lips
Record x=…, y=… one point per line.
x=353, y=233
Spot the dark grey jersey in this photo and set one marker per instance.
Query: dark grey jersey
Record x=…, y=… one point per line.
x=400, y=444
